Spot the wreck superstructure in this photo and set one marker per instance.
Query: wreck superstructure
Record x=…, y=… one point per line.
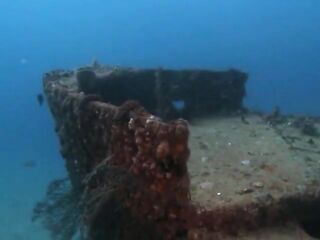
x=127, y=147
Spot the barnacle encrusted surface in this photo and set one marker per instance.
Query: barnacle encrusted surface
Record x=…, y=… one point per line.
x=129, y=169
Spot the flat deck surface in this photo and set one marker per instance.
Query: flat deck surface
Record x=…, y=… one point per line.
x=234, y=163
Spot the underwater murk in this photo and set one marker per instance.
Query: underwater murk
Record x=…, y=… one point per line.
x=173, y=120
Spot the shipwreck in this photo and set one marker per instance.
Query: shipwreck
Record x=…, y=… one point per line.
x=173, y=154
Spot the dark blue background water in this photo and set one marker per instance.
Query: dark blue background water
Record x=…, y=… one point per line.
x=276, y=42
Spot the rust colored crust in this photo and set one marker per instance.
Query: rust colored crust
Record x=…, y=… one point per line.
x=153, y=152
x=156, y=153
x=83, y=126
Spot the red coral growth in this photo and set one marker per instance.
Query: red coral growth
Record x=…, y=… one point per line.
x=156, y=153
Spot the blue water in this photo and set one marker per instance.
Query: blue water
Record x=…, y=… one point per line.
x=276, y=42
